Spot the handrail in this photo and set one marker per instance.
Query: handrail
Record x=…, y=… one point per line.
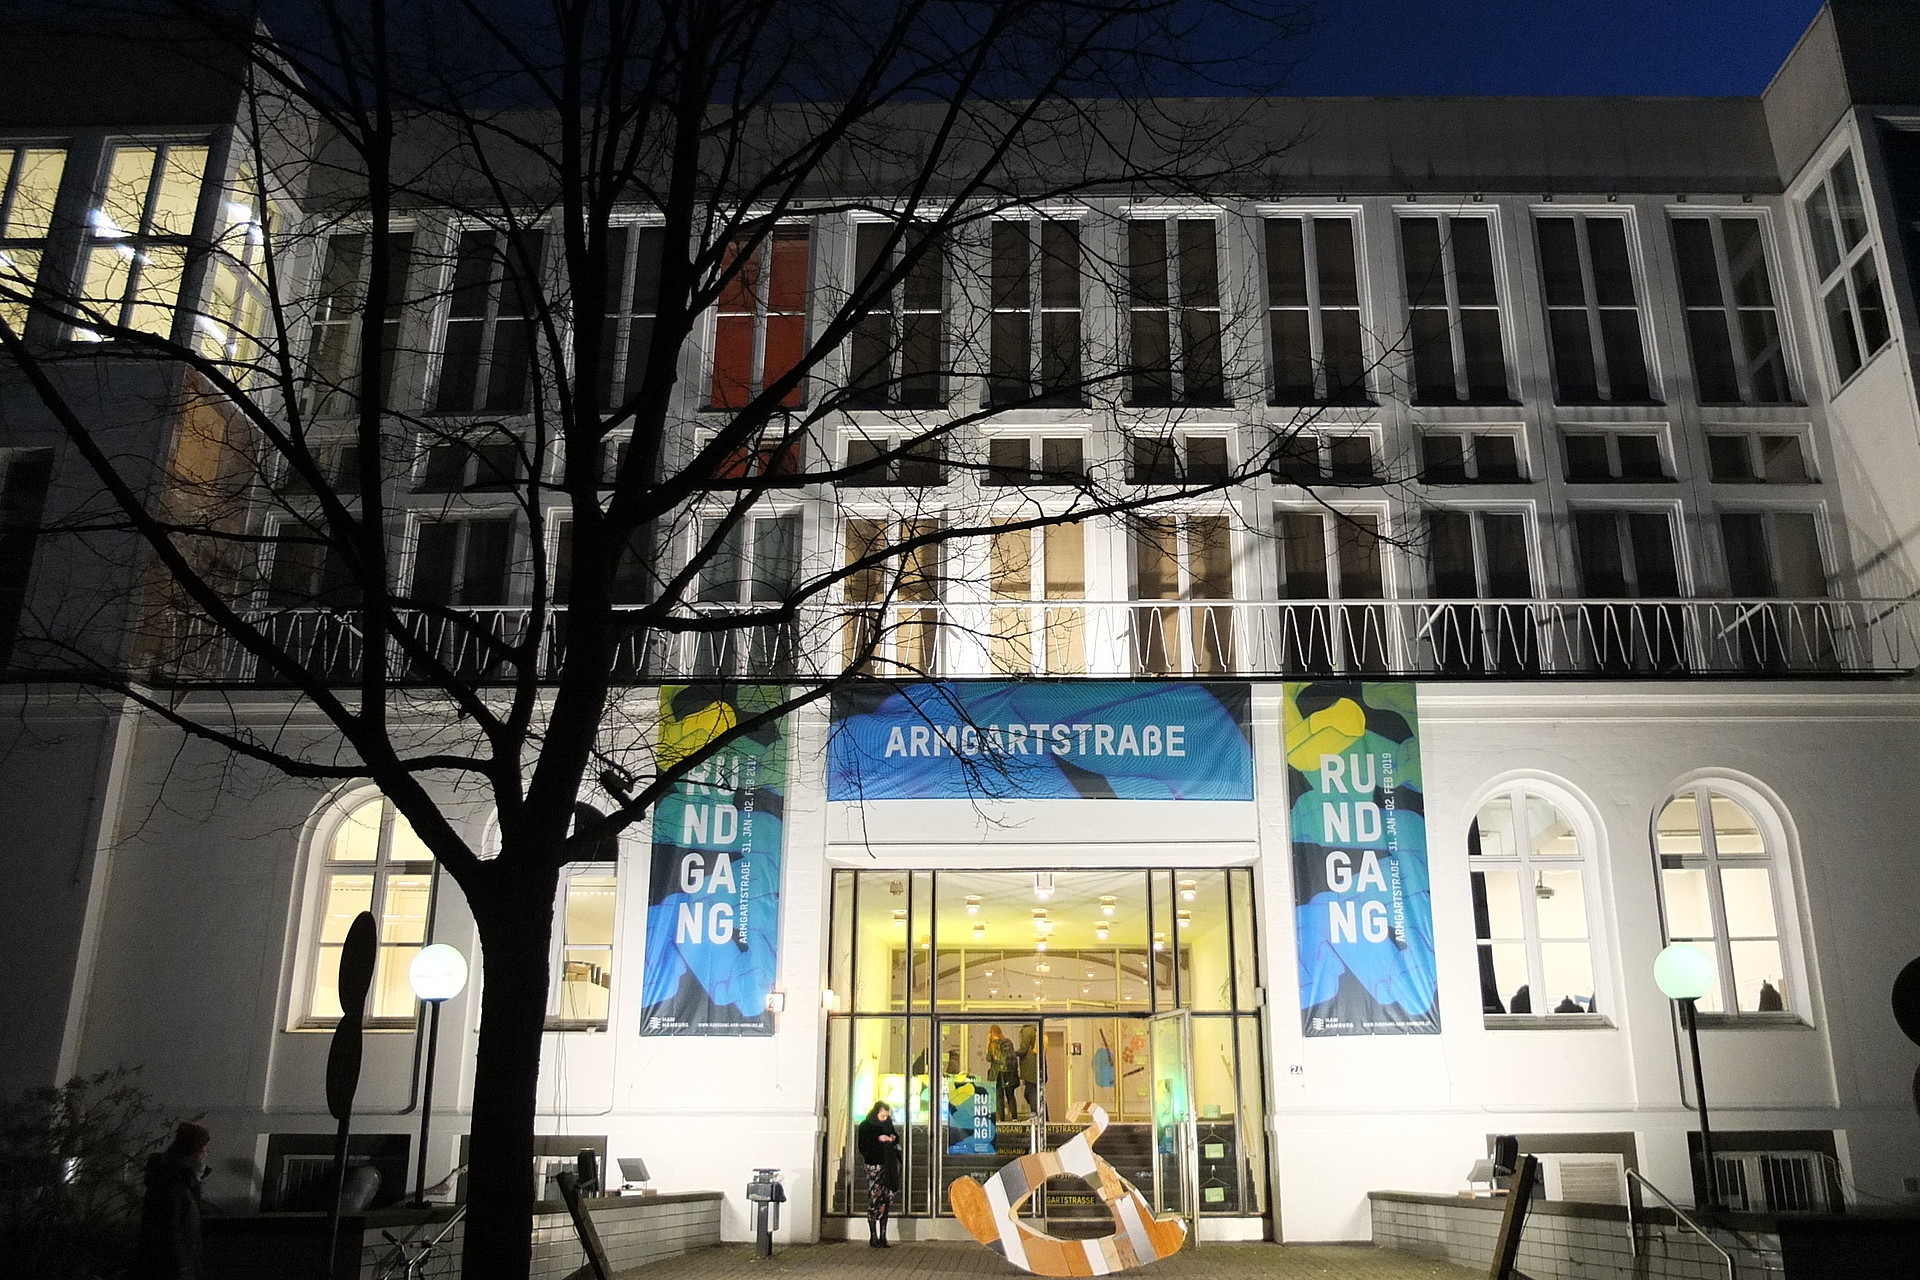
x=1633, y=1236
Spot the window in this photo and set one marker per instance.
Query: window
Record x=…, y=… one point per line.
x=1773, y=554
x=333, y=352
x=24, y=475
x=899, y=348
x=1455, y=310
x=776, y=449
x=487, y=355
x=1757, y=458
x=633, y=298
x=632, y=582
x=894, y=460
x=138, y=237
x=29, y=184
x=1183, y=558
x=1179, y=459
x=338, y=463
x=1048, y=563
x=1313, y=312
x=1309, y=458
x=891, y=628
x=1028, y=460
x=582, y=959
x=1470, y=457
x=754, y=561
x=232, y=325
x=1849, y=276
x=308, y=572
x=371, y=860
x=1593, y=316
x=760, y=320
x=1601, y=457
x=1332, y=556
x=1719, y=891
x=1483, y=555
x=1173, y=307
x=1530, y=910
x=1629, y=554
x=492, y=461
x=1034, y=336
x=1733, y=325
x=462, y=562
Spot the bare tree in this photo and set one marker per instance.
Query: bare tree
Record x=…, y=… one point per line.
x=661, y=266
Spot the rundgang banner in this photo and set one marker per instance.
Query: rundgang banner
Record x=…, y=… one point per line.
x=1363, y=904
x=1033, y=740
x=713, y=902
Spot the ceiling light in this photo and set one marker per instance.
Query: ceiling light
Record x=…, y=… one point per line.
x=1183, y=918
x=1043, y=967
x=1106, y=905
x=1159, y=942
x=1043, y=885
x=973, y=904
x=1100, y=930
x=1187, y=890
x=979, y=932
x=899, y=917
x=1040, y=944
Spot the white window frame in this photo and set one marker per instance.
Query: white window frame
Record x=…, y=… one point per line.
x=1177, y=305
x=559, y=946
x=1756, y=464
x=1744, y=361
x=1037, y=439
x=19, y=278
x=1316, y=308
x=1612, y=433
x=346, y=312
x=762, y=311
x=1178, y=444
x=1456, y=332
x=136, y=243
x=1313, y=450
x=466, y=515
x=1469, y=437
x=507, y=265
x=895, y=312
x=1590, y=303
x=1037, y=309
x=1844, y=279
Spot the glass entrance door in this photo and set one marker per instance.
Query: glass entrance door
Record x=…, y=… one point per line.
x=991, y=1098
x=1175, y=1174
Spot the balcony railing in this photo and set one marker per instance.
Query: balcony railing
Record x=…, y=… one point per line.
x=1427, y=639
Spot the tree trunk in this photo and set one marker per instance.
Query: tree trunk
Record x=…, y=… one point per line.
x=515, y=918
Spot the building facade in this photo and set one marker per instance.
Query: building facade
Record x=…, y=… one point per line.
x=1605, y=431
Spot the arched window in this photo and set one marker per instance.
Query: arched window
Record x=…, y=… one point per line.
x=1530, y=909
x=1719, y=890
x=369, y=860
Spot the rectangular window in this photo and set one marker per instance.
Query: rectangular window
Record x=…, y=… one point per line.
x=632, y=582
x=1603, y=457
x=760, y=320
x=1035, y=333
x=633, y=299
x=1593, y=314
x=1773, y=554
x=493, y=461
x=487, y=352
x=1307, y=458
x=1313, y=312
x=1757, y=458
x=138, y=236
x=1849, y=275
x=334, y=384
x=1179, y=459
x=308, y=572
x=1173, y=305
x=1484, y=555
x=894, y=461
x=24, y=477
x=1470, y=457
x=1454, y=310
x=899, y=348
x=1332, y=556
x=29, y=185
x=1044, y=564
x=582, y=961
x=887, y=630
x=462, y=562
x=1629, y=554
x=232, y=322
x=1184, y=559
x=1733, y=323
x=1030, y=460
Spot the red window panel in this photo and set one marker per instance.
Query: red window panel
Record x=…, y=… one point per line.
x=761, y=327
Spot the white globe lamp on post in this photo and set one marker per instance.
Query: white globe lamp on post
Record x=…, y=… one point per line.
x=438, y=974
x=1685, y=973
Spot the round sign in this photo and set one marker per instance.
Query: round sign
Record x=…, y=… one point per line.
x=1906, y=1000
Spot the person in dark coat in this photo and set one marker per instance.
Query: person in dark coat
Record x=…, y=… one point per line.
x=879, y=1144
x=168, y=1246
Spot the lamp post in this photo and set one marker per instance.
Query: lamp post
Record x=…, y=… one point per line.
x=438, y=974
x=1685, y=973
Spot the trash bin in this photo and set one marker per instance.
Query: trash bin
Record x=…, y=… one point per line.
x=766, y=1195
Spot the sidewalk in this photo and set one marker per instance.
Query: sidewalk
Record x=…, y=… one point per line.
x=944, y=1258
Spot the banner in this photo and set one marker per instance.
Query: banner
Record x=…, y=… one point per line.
x=1363, y=905
x=713, y=898
x=1032, y=740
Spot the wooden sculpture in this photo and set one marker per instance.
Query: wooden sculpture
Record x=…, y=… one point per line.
x=988, y=1210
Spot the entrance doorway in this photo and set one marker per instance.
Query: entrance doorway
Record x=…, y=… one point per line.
x=989, y=1009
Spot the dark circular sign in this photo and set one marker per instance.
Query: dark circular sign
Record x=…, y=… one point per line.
x=1906, y=1000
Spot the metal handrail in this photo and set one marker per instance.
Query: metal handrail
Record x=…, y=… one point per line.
x=1633, y=1235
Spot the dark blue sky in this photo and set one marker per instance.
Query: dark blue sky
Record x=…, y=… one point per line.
x=1546, y=46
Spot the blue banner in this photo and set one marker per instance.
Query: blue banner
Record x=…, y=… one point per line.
x=1033, y=740
x=1363, y=904
x=713, y=901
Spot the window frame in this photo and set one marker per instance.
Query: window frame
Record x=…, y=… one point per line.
x=463, y=516
x=504, y=271
x=1315, y=307
x=1729, y=308
x=1454, y=309
x=759, y=281
x=1469, y=437
x=1175, y=303
x=1040, y=393
x=1173, y=447
x=897, y=319
x=1844, y=278
x=1036, y=473
x=559, y=945
x=1517, y=790
x=1751, y=439
x=1592, y=308
x=1291, y=464
x=1612, y=434
x=622, y=315
x=19, y=311
x=343, y=310
x=138, y=243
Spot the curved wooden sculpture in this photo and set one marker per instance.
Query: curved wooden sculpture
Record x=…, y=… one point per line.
x=987, y=1210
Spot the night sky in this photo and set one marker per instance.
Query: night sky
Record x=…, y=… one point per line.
x=1545, y=46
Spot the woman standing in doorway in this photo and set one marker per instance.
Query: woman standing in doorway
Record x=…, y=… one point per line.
x=1003, y=1064
x=879, y=1144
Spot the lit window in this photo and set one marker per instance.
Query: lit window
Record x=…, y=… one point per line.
x=893, y=626
x=1035, y=334
x=760, y=326
x=1530, y=909
x=29, y=184
x=1183, y=558
x=582, y=959
x=899, y=347
x=1173, y=301
x=1733, y=323
x=1313, y=312
x=333, y=351
x=487, y=353
x=371, y=861
x=231, y=325
x=1719, y=890
x=1593, y=316
x=1454, y=304
x=138, y=237
x=1849, y=277
x=1044, y=564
